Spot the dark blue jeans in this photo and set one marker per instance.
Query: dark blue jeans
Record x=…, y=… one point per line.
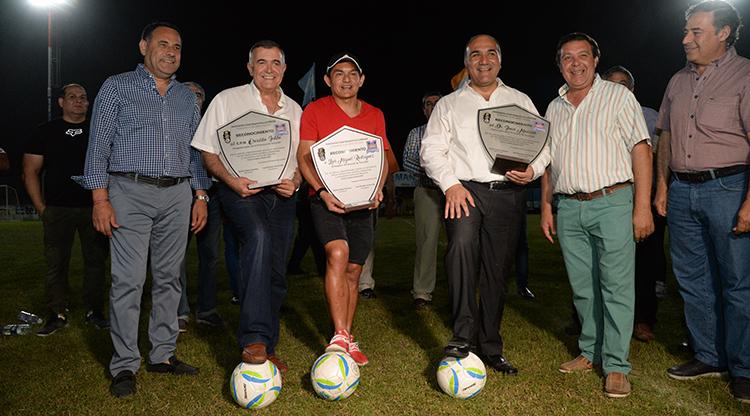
x=712, y=266
x=208, y=256
x=263, y=224
x=232, y=259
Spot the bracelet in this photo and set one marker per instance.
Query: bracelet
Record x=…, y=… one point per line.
x=320, y=191
x=101, y=200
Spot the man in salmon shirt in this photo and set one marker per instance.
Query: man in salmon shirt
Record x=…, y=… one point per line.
x=346, y=236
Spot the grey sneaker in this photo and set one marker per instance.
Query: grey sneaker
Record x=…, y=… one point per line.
x=97, y=320
x=54, y=322
x=212, y=319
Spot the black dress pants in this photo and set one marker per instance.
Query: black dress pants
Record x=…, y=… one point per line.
x=481, y=250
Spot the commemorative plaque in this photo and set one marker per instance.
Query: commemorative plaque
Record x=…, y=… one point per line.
x=349, y=162
x=256, y=146
x=512, y=136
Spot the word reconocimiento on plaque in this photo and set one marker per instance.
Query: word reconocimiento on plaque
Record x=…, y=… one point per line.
x=512, y=136
x=349, y=162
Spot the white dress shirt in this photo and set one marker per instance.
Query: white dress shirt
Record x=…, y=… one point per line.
x=233, y=103
x=452, y=150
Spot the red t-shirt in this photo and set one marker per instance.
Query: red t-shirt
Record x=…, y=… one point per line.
x=322, y=117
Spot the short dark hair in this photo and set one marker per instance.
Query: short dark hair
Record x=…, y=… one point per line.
x=64, y=89
x=724, y=15
x=265, y=44
x=429, y=94
x=148, y=31
x=570, y=37
x=621, y=69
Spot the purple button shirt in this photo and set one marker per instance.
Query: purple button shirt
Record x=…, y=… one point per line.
x=708, y=115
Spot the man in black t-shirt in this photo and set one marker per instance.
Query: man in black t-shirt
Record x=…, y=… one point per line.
x=58, y=148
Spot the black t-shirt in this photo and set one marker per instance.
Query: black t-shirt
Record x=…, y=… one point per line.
x=63, y=146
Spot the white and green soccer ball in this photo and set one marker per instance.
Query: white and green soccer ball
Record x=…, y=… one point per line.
x=462, y=378
x=334, y=376
x=254, y=386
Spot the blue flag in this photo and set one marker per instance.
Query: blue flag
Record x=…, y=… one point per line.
x=307, y=83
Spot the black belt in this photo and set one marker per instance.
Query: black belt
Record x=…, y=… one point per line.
x=707, y=175
x=498, y=185
x=159, y=182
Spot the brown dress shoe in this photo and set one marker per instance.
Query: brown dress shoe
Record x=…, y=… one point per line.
x=617, y=385
x=278, y=362
x=578, y=364
x=254, y=353
x=642, y=332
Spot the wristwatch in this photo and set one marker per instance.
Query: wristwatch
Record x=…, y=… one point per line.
x=203, y=198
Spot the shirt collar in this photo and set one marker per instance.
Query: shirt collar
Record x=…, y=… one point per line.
x=466, y=89
x=562, y=91
x=256, y=93
x=724, y=59
x=144, y=73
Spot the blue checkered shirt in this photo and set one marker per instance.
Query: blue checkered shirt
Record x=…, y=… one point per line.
x=411, y=157
x=135, y=129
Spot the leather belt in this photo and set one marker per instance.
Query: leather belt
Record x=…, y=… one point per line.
x=608, y=190
x=707, y=175
x=159, y=182
x=497, y=185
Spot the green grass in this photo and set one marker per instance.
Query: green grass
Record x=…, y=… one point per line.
x=67, y=373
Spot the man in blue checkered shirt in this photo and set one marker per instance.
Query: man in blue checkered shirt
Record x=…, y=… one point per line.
x=141, y=167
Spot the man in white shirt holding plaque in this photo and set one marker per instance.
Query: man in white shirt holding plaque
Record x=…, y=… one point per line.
x=262, y=217
x=483, y=210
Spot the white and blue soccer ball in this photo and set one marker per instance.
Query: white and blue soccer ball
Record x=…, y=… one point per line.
x=254, y=386
x=334, y=376
x=462, y=378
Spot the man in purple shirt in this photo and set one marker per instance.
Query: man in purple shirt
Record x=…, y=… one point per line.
x=705, y=144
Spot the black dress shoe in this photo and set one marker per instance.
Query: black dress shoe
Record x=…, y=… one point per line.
x=740, y=387
x=694, y=369
x=420, y=303
x=499, y=363
x=457, y=349
x=123, y=384
x=526, y=293
x=175, y=367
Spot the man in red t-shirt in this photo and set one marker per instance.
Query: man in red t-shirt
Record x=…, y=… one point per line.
x=346, y=236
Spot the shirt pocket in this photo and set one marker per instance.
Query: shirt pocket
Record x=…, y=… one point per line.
x=720, y=113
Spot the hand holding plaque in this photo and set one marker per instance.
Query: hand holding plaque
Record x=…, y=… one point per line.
x=256, y=146
x=512, y=136
x=349, y=162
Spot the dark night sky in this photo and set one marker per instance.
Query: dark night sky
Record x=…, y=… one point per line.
x=406, y=47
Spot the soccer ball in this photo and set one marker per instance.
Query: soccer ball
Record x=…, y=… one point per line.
x=254, y=386
x=462, y=378
x=334, y=376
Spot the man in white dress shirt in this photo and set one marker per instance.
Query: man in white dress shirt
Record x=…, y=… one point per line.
x=483, y=210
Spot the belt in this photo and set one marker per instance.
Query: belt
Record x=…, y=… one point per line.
x=607, y=190
x=159, y=182
x=497, y=185
x=707, y=175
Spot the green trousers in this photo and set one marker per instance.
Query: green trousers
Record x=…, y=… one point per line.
x=596, y=238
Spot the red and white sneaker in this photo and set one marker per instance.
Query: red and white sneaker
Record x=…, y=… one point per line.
x=358, y=356
x=339, y=342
